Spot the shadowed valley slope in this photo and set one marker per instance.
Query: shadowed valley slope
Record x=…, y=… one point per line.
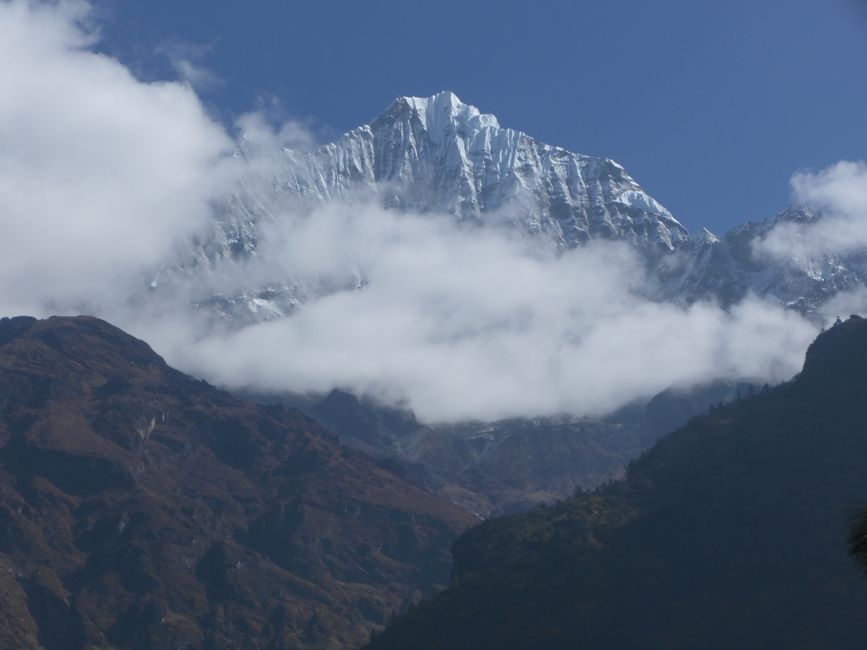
x=730, y=533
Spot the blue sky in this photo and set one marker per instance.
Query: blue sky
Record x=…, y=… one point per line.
x=710, y=105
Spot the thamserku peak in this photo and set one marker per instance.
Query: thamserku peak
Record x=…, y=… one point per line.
x=438, y=154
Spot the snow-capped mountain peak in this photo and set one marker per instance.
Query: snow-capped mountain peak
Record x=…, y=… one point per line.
x=439, y=154
x=454, y=158
x=445, y=109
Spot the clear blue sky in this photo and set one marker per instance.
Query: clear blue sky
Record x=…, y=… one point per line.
x=710, y=105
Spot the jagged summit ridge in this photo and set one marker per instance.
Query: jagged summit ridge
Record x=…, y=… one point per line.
x=471, y=166
x=431, y=110
x=439, y=154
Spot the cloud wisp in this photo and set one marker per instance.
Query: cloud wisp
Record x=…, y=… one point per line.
x=104, y=178
x=840, y=193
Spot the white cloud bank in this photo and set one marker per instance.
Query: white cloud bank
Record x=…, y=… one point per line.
x=103, y=176
x=466, y=323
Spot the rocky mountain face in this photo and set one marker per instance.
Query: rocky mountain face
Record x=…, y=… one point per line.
x=730, y=533
x=142, y=508
x=496, y=468
x=439, y=154
x=433, y=154
x=729, y=268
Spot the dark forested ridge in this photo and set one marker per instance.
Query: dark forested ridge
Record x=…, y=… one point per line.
x=140, y=508
x=730, y=533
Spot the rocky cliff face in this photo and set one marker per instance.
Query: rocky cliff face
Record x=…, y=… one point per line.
x=144, y=509
x=439, y=154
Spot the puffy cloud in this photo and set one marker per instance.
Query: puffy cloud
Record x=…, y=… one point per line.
x=840, y=193
x=841, y=188
x=461, y=322
x=100, y=174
